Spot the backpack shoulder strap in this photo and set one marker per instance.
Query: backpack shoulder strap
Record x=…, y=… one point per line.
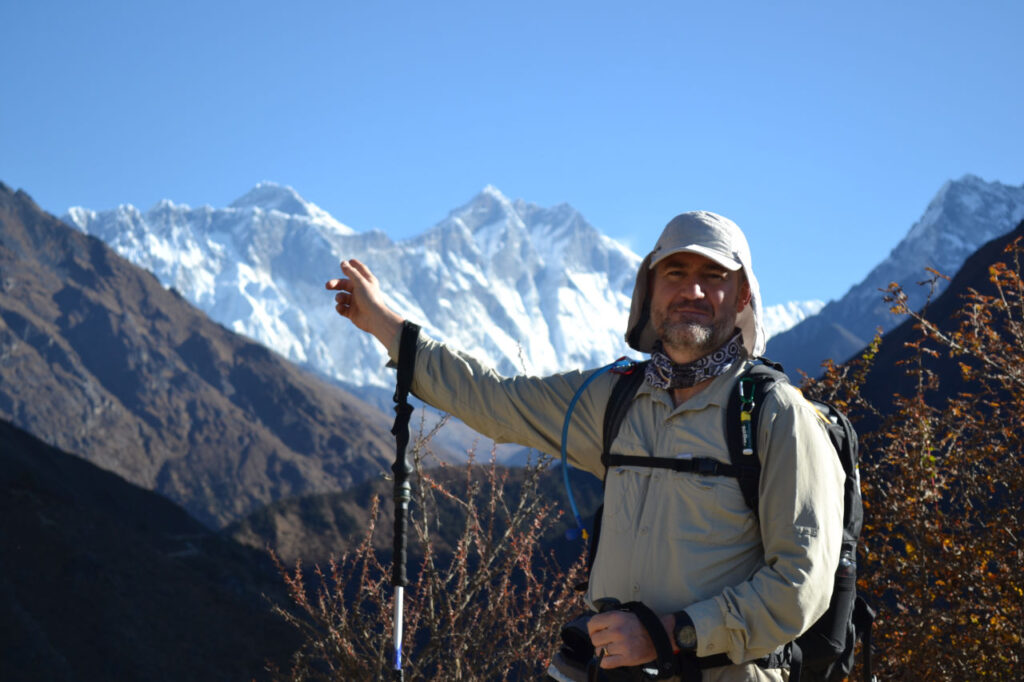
x=741, y=422
x=619, y=402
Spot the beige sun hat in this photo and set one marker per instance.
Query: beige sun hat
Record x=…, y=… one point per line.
x=715, y=237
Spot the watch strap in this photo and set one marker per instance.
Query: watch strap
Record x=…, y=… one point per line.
x=684, y=622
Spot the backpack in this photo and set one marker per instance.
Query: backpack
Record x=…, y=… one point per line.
x=825, y=652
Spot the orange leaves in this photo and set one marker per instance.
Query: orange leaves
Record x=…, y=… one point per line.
x=943, y=542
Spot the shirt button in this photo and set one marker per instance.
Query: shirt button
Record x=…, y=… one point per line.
x=636, y=588
x=643, y=531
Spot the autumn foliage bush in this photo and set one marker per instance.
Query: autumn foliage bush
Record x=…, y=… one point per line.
x=943, y=483
x=941, y=555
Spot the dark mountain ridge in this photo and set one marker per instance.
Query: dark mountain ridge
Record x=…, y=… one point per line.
x=887, y=377
x=103, y=580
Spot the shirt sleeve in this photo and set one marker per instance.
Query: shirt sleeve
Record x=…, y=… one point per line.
x=526, y=410
x=801, y=521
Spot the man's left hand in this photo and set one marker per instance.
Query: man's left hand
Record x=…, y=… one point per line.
x=623, y=638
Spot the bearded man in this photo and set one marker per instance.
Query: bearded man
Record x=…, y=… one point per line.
x=729, y=587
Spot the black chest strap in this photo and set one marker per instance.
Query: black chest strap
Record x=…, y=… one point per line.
x=705, y=466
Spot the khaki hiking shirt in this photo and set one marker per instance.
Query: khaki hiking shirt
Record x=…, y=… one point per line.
x=678, y=540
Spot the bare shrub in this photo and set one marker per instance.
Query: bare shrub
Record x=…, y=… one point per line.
x=484, y=603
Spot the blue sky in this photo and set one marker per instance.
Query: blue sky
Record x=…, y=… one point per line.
x=822, y=128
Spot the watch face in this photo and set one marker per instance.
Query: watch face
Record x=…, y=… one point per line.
x=686, y=637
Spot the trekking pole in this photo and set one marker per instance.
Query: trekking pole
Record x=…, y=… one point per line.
x=402, y=489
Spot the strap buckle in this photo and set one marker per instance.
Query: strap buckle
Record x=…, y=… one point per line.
x=707, y=466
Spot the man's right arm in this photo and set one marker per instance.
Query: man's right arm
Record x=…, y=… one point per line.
x=525, y=410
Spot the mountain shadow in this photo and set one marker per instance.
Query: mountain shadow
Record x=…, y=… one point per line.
x=103, y=580
x=314, y=528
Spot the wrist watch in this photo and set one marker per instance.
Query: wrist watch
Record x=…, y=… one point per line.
x=684, y=633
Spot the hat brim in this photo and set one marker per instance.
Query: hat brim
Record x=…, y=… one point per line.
x=726, y=262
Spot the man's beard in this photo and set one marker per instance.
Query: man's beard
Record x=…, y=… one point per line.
x=693, y=337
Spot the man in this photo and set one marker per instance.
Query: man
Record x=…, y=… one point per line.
x=720, y=579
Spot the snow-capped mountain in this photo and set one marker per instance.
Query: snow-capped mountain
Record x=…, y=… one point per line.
x=778, y=318
x=238, y=264
x=964, y=215
x=525, y=288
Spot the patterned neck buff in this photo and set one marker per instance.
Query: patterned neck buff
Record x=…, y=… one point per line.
x=663, y=373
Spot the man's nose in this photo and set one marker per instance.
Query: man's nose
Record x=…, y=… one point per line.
x=690, y=290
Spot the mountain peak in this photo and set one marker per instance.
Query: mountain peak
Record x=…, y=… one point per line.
x=965, y=214
x=492, y=192
x=271, y=196
x=971, y=182
x=489, y=211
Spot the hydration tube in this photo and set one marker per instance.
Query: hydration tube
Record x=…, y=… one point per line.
x=580, y=531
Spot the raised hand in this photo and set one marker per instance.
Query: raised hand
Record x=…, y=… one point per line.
x=361, y=301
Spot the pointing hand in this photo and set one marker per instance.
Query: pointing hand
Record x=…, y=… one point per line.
x=361, y=300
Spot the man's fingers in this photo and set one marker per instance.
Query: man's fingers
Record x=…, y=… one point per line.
x=622, y=637
x=356, y=271
x=358, y=266
x=602, y=626
x=356, y=274
x=606, y=657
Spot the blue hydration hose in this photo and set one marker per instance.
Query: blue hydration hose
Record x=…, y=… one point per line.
x=580, y=531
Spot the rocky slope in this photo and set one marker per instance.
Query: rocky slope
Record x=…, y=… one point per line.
x=99, y=359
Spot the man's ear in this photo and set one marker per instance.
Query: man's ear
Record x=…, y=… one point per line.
x=743, y=300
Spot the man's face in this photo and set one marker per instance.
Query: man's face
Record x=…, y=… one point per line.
x=694, y=304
